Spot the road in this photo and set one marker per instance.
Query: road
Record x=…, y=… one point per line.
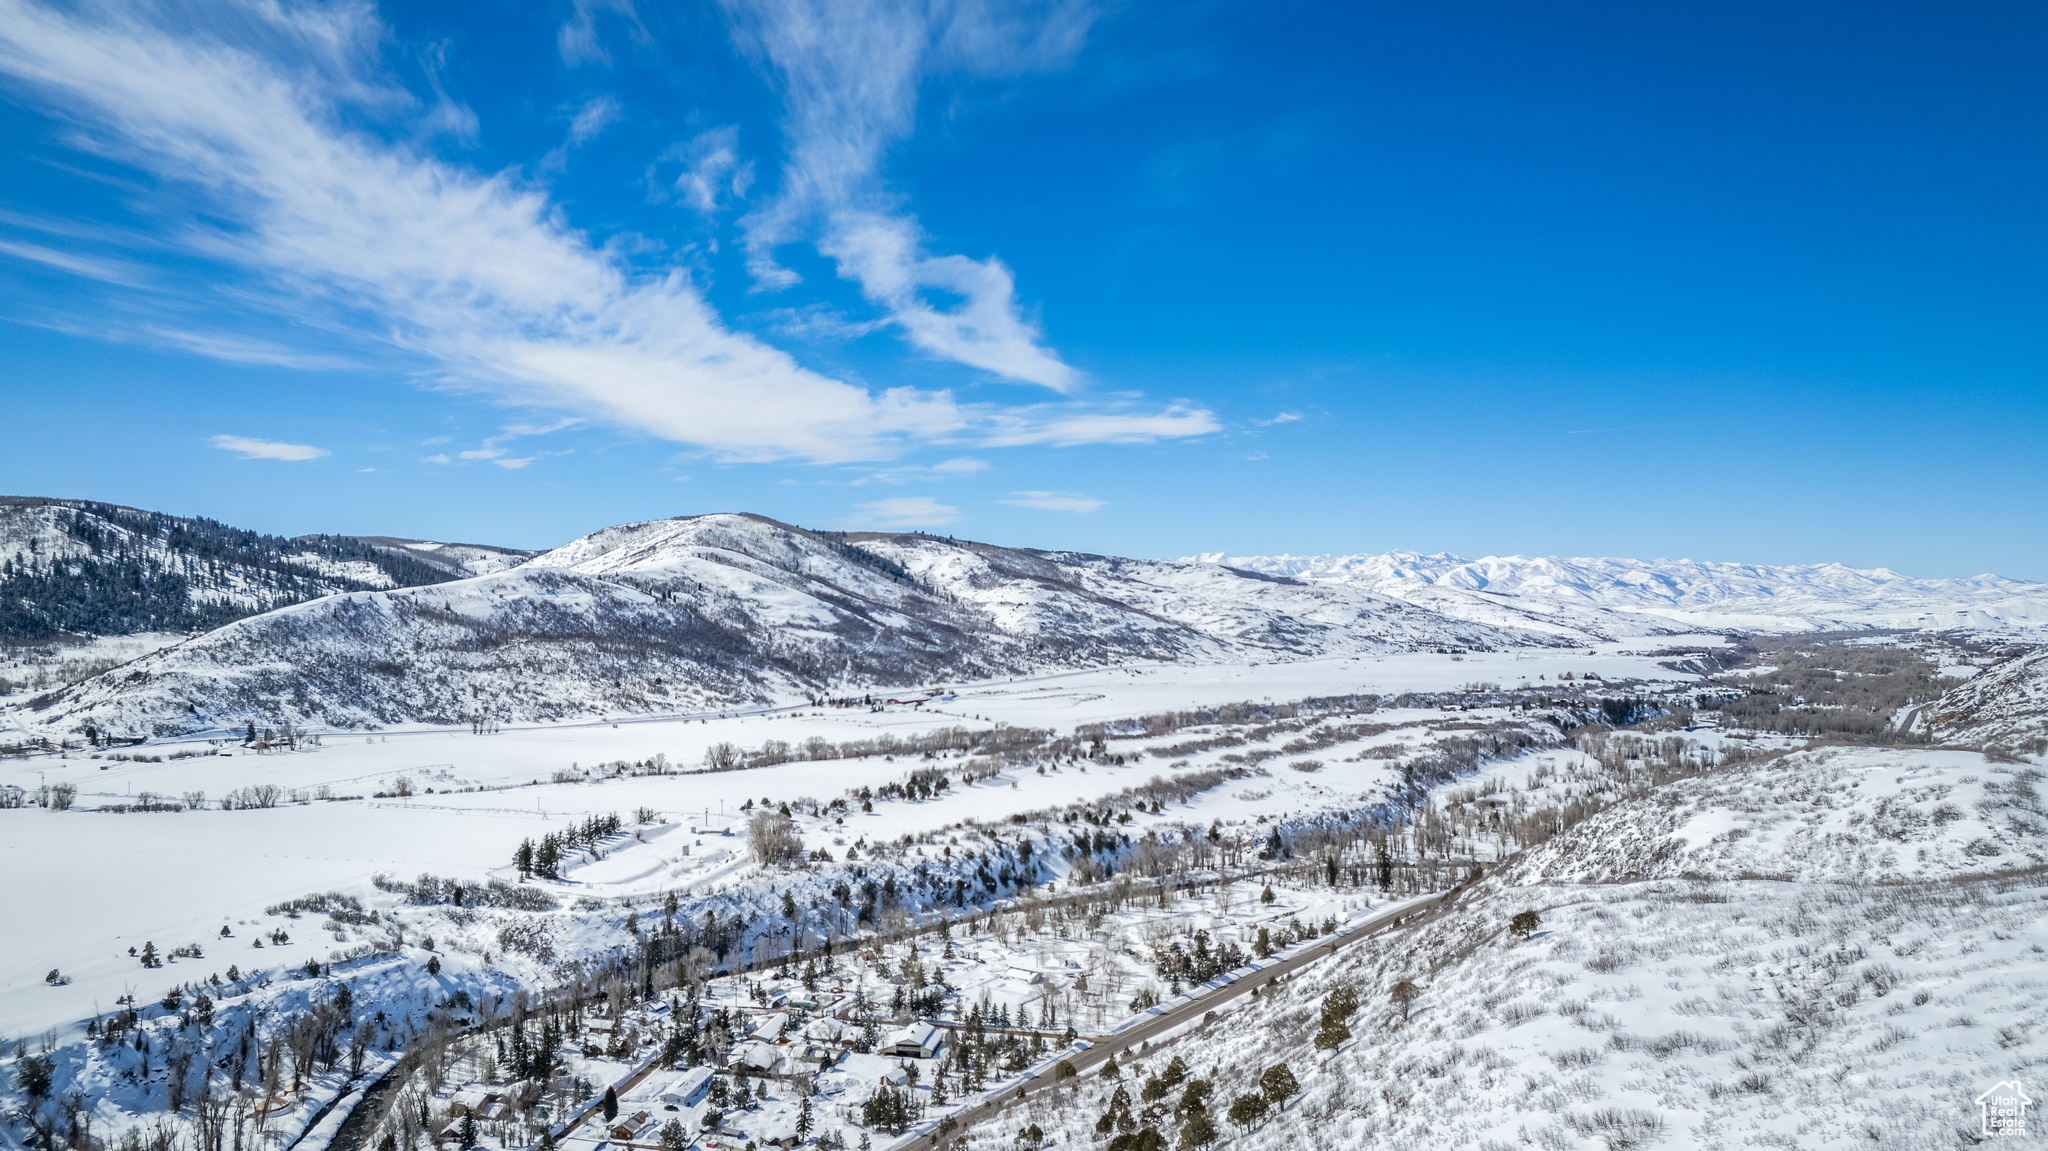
x=1411, y=914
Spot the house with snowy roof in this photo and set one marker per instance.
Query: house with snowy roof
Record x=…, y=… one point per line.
x=757, y=1056
x=920, y=1040
x=686, y=1089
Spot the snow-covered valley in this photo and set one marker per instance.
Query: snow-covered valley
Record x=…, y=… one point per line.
x=720, y=795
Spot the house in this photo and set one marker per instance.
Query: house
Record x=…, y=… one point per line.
x=1025, y=973
x=686, y=1089
x=757, y=1056
x=827, y=1031
x=474, y=1102
x=627, y=1130
x=818, y=1055
x=770, y=1029
x=920, y=1040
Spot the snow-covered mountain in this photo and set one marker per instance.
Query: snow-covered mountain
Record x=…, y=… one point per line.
x=716, y=610
x=76, y=566
x=458, y=560
x=1611, y=598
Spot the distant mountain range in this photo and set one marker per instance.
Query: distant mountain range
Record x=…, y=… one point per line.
x=723, y=610
x=1616, y=598
x=719, y=611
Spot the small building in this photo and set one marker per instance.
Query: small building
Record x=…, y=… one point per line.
x=818, y=1055
x=757, y=1056
x=627, y=1130
x=770, y=1029
x=1025, y=973
x=474, y=1102
x=920, y=1040
x=686, y=1089
x=826, y=1030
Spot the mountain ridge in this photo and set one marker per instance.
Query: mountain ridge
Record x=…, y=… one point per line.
x=716, y=611
x=88, y=567
x=1611, y=598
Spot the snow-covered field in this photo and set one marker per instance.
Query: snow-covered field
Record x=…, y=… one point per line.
x=174, y=877
x=1708, y=903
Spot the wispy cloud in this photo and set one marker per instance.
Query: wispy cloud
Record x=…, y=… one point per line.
x=592, y=119
x=1054, y=501
x=92, y=267
x=243, y=350
x=954, y=469
x=713, y=172
x=849, y=72
x=577, y=39
x=815, y=322
x=267, y=449
x=906, y=512
x=493, y=450
x=1067, y=427
x=475, y=273
x=589, y=120
x=478, y=281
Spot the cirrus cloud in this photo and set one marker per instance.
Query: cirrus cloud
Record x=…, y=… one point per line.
x=312, y=199
x=906, y=512
x=849, y=72
x=267, y=449
x=1054, y=501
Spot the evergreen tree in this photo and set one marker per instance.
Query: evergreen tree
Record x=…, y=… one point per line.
x=1524, y=924
x=1332, y=1034
x=1247, y=1110
x=1278, y=1085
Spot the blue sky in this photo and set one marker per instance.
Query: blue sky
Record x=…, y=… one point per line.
x=1735, y=282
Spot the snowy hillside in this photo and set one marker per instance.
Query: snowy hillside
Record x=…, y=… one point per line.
x=1611, y=598
x=456, y=559
x=1710, y=967
x=78, y=567
x=721, y=610
x=2006, y=704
